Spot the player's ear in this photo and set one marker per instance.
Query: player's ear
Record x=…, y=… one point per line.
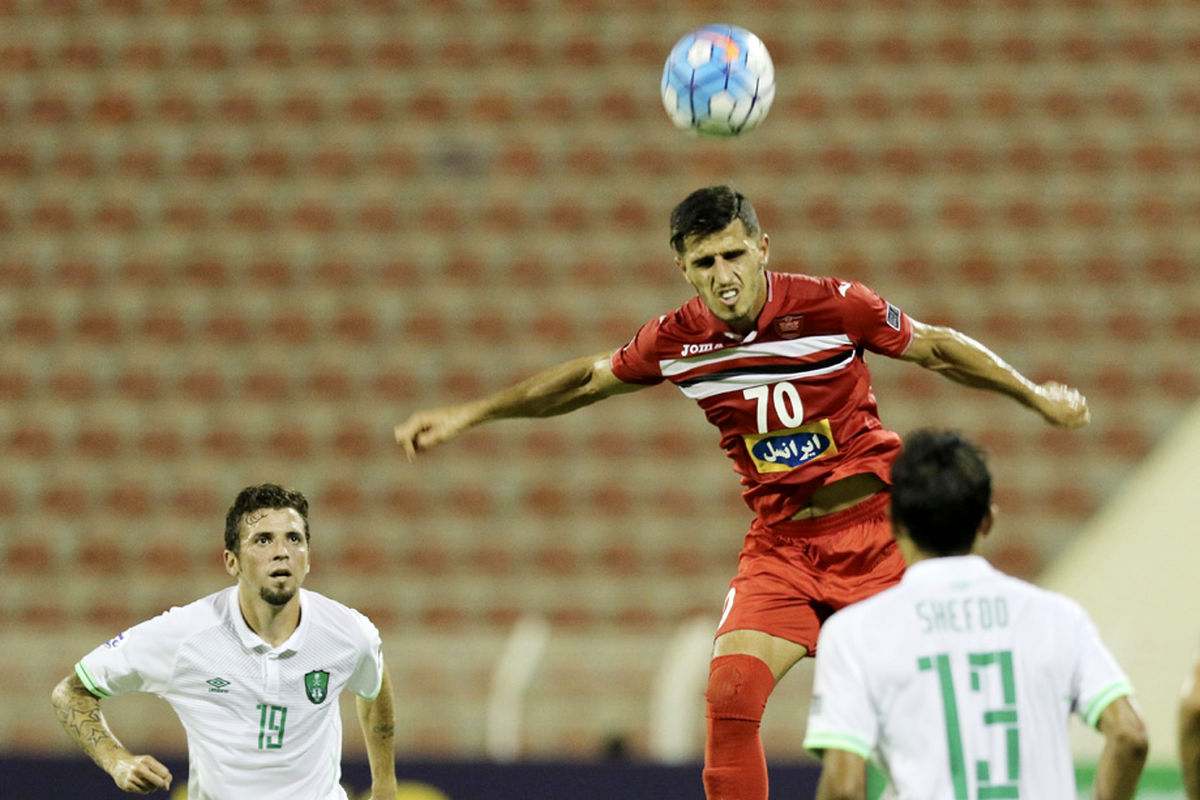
x=989, y=519
x=231, y=562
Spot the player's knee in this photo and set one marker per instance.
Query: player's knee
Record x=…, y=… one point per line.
x=738, y=688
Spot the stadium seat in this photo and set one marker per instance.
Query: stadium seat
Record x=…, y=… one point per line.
x=32, y=440
x=29, y=555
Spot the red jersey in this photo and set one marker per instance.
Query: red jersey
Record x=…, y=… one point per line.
x=792, y=398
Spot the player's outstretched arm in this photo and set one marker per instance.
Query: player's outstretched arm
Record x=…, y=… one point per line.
x=78, y=711
x=843, y=776
x=1124, y=753
x=1189, y=734
x=564, y=387
x=378, y=721
x=964, y=360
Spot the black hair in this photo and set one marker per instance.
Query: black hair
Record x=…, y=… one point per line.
x=708, y=210
x=253, y=498
x=941, y=491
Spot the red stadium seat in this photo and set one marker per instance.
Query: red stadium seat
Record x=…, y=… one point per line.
x=361, y=556
x=92, y=442
x=33, y=441
x=202, y=385
x=492, y=560
x=556, y=560
x=67, y=500
x=405, y=504
x=355, y=441
x=19, y=57
x=110, y=614
x=1179, y=383
x=225, y=443
x=546, y=500
x=161, y=444
x=290, y=443
x=34, y=326
x=292, y=327
x=29, y=556
x=197, y=502
x=470, y=501
x=394, y=385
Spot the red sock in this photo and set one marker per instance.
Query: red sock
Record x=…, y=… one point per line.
x=734, y=765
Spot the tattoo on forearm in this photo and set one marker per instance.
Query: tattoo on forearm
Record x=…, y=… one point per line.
x=84, y=723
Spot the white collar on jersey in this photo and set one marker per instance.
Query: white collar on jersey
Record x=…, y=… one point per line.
x=252, y=641
x=948, y=568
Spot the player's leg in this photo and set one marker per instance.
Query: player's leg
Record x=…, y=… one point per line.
x=747, y=662
x=745, y=666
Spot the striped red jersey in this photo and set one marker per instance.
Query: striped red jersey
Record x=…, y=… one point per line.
x=792, y=398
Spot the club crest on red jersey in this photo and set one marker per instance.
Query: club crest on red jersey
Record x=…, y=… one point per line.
x=789, y=327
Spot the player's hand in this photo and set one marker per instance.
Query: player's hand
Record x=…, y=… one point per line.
x=140, y=774
x=424, y=429
x=1062, y=406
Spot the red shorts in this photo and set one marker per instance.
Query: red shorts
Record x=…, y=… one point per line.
x=792, y=577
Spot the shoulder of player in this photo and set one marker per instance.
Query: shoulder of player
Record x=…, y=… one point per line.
x=1049, y=602
x=177, y=625
x=335, y=616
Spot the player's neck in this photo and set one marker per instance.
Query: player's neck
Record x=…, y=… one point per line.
x=273, y=624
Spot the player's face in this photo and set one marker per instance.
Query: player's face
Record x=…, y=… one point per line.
x=273, y=557
x=727, y=270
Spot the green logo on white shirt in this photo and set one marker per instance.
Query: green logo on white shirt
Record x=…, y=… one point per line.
x=218, y=685
x=316, y=684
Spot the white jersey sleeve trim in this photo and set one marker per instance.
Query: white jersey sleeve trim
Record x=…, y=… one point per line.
x=370, y=698
x=819, y=741
x=1102, y=701
x=89, y=682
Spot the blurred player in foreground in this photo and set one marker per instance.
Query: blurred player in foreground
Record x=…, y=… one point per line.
x=1189, y=733
x=960, y=680
x=776, y=363
x=253, y=671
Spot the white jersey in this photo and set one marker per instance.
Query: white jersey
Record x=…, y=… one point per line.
x=958, y=683
x=262, y=722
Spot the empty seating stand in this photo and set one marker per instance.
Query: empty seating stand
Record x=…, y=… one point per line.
x=238, y=243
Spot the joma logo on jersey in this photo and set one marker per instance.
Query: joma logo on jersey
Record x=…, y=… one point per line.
x=316, y=685
x=697, y=349
x=780, y=451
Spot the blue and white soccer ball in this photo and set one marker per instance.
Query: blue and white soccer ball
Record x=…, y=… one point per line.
x=718, y=81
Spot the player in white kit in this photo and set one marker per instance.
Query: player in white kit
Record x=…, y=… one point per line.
x=254, y=673
x=959, y=681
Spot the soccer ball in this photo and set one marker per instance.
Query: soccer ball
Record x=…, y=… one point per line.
x=718, y=81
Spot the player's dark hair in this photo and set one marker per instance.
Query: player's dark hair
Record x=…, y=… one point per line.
x=941, y=491
x=708, y=210
x=254, y=498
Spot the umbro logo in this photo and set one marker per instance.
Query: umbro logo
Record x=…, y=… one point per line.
x=218, y=685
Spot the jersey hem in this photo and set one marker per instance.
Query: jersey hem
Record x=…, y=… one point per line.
x=820, y=741
x=1120, y=689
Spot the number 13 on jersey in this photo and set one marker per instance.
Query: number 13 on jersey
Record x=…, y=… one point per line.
x=994, y=784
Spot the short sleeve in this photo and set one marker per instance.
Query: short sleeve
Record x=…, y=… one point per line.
x=841, y=716
x=139, y=660
x=368, y=673
x=638, y=362
x=1098, y=679
x=873, y=322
